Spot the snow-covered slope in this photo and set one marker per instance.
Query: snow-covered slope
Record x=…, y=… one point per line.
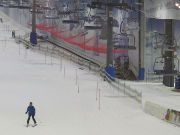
x=64, y=107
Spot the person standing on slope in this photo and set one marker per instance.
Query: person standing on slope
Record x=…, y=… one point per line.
x=31, y=113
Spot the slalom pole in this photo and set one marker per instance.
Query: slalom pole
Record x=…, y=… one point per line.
x=64, y=72
x=45, y=57
x=76, y=77
x=5, y=43
x=51, y=59
x=78, y=89
x=99, y=99
x=97, y=90
x=60, y=61
x=124, y=89
x=19, y=47
x=39, y=46
x=118, y=87
x=25, y=53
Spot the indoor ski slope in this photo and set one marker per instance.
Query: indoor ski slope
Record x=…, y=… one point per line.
x=64, y=106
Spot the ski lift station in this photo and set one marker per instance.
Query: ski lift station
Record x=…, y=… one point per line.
x=90, y=67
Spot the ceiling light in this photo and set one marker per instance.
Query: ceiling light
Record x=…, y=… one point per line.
x=177, y=4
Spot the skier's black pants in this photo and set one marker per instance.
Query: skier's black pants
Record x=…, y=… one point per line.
x=32, y=118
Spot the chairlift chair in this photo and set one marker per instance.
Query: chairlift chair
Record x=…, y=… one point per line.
x=92, y=26
x=70, y=21
x=122, y=41
x=158, y=66
x=52, y=17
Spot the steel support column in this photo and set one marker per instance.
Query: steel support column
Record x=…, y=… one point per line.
x=109, y=37
x=33, y=35
x=142, y=26
x=168, y=78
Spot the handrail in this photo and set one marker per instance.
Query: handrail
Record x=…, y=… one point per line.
x=55, y=51
x=121, y=86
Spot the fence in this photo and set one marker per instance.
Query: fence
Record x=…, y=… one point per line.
x=78, y=57
x=123, y=87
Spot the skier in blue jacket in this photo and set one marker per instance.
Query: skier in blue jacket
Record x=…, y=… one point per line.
x=31, y=113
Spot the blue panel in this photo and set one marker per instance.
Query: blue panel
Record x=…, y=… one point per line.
x=141, y=73
x=33, y=38
x=177, y=82
x=110, y=72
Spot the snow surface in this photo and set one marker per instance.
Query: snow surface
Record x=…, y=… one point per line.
x=157, y=93
x=62, y=108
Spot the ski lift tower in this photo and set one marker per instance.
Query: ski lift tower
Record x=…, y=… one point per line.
x=109, y=6
x=168, y=78
x=109, y=59
x=33, y=35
